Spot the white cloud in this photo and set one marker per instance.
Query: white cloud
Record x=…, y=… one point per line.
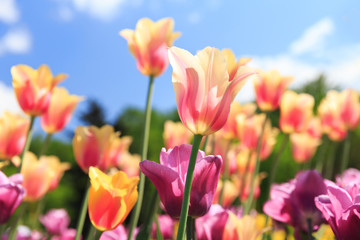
x=9, y=12
x=313, y=38
x=102, y=9
x=8, y=100
x=16, y=41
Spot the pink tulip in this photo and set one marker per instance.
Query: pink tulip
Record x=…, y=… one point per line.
x=269, y=88
x=67, y=234
x=149, y=43
x=166, y=225
x=55, y=221
x=293, y=202
x=11, y=195
x=350, y=181
x=203, y=88
x=169, y=179
x=119, y=233
x=303, y=146
x=341, y=211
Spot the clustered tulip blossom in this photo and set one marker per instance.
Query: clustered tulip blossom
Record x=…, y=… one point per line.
x=149, y=43
x=169, y=179
x=203, y=88
x=111, y=198
x=11, y=195
x=56, y=222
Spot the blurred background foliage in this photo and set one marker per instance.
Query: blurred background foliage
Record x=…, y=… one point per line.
x=70, y=192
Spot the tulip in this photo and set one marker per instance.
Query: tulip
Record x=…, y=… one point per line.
x=111, y=198
x=33, y=88
x=166, y=225
x=350, y=181
x=203, y=88
x=57, y=167
x=119, y=233
x=175, y=134
x=149, y=43
x=11, y=195
x=314, y=128
x=303, y=146
x=212, y=226
x=293, y=202
x=269, y=88
x=169, y=179
x=341, y=211
x=130, y=164
x=243, y=183
x=118, y=152
x=92, y=146
x=13, y=130
x=67, y=234
x=296, y=111
x=232, y=65
x=61, y=107
x=249, y=229
x=350, y=108
x=55, y=221
x=230, y=192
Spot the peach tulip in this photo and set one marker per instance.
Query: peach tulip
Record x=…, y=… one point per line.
x=111, y=198
x=269, y=88
x=303, y=146
x=230, y=193
x=232, y=65
x=13, y=130
x=33, y=88
x=130, y=164
x=203, y=88
x=57, y=167
x=315, y=128
x=149, y=43
x=92, y=146
x=175, y=134
x=118, y=152
x=296, y=111
x=61, y=107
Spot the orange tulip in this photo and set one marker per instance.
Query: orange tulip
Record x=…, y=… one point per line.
x=203, y=89
x=269, y=88
x=13, y=130
x=296, y=111
x=303, y=146
x=92, y=146
x=232, y=65
x=149, y=43
x=111, y=198
x=61, y=107
x=41, y=176
x=33, y=87
x=175, y=134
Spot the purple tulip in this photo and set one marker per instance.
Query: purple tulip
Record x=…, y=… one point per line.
x=293, y=202
x=55, y=221
x=11, y=195
x=342, y=211
x=211, y=226
x=350, y=181
x=166, y=225
x=169, y=179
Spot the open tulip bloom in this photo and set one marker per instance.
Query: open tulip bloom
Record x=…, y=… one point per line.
x=169, y=179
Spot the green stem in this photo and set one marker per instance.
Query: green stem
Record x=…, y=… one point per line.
x=345, y=154
x=92, y=233
x=322, y=155
x=256, y=170
x=226, y=173
x=331, y=161
x=276, y=161
x=27, y=142
x=81, y=221
x=158, y=231
x=45, y=144
x=135, y=216
x=205, y=143
x=190, y=229
x=187, y=190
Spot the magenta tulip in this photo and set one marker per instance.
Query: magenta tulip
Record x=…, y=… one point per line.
x=293, y=202
x=11, y=195
x=55, y=221
x=350, y=181
x=169, y=179
x=166, y=225
x=341, y=211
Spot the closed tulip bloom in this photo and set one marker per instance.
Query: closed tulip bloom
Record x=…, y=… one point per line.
x=111, y=198
x=314, y=128
x=55, y=221
x=13, y=130
x=92, y=146
x=341, y=211
x=61, y=107
x=350, y=108
x=33, y=87
x=269, y=88
x=296, y=111
x=293, y=202
x=118, y=152
x=203, y=89
x=232, y=64
x=149, y=43
x=169, y=179
x=303, y=146
x=11, y=195
x=175, y=134
x=58, y=168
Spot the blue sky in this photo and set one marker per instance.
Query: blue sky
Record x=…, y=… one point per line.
x=80, y=38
